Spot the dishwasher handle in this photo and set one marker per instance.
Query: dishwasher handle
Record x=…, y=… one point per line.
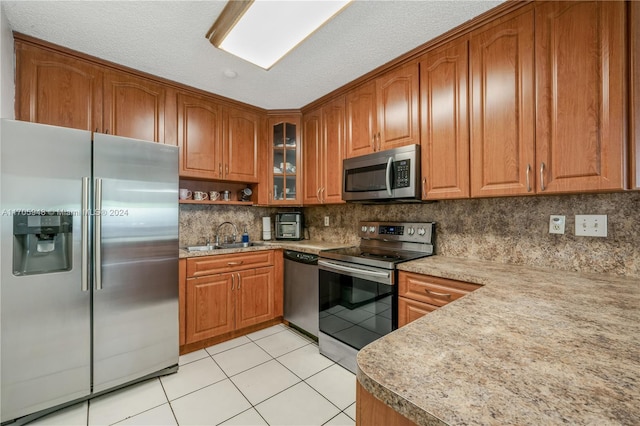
x=296, y=256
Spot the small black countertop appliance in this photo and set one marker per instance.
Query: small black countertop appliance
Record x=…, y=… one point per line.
x=289, y=226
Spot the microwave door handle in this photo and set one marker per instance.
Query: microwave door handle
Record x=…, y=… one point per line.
x=389, y=170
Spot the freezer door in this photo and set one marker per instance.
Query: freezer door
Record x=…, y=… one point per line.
x=45, y=317
x=135, y=297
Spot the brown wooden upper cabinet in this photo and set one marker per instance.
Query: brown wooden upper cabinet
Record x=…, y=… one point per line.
x=557, y=126
x=324, y=135
x=283, y=164
x=57, y=89
x=580, y=71
x=133, y=107
x=216, y=142
x=199, y=136
x=444, y=135
x=383, y=114
x=503, y=107
x=240, y=145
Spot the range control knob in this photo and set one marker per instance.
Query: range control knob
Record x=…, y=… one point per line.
x=363, y=228
x=421, y=231
x=372, y=229
x=411, y=231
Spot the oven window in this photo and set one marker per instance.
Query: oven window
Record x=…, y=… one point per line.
x=356, y=311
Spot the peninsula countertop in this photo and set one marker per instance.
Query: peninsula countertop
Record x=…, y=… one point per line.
x=532, y=346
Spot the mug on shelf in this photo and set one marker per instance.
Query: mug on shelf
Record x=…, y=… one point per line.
x=245, y=194
x=214, y=195
x=185, y=194
x=200, y=196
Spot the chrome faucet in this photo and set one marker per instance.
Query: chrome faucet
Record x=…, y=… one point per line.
x=234, y=235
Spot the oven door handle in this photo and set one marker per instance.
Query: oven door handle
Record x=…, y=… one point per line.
x=389, y=170
x=352, y=269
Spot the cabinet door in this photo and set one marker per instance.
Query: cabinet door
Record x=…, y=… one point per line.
x=210, y=306
x=182, y=300
x=133, y=107
x=312, y=157
x=199, y=135
x=361, y=120
x=410, y=310
x=397, y=100
x=502, y=108
x=580, y=68
x=445, y=124
x=56, y=89
x=333, y=140
x=284, y=142
x=241, y=145
x=254, y=296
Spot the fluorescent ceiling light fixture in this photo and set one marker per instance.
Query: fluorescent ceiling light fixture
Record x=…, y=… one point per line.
x=263, y=31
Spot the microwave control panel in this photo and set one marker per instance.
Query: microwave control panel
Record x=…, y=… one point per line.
x=402, y=173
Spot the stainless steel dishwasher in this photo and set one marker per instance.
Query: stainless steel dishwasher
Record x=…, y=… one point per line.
x=301, y=291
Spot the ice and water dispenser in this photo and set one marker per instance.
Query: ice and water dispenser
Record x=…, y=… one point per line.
x=42, y=243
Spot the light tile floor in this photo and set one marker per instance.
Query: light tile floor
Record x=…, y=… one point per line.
x=274, y=376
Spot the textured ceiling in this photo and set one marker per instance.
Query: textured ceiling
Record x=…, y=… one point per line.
x=166, y=38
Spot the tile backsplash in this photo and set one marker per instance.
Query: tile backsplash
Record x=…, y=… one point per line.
x=508, y=230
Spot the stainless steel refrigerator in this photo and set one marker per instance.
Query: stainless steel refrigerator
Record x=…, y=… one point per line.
x=89, y=265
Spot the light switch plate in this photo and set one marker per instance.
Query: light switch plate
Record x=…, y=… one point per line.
x=556, y=224
x=591, y=225
x=326, y=221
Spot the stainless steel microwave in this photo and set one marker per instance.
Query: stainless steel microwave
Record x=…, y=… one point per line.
x=383, y=176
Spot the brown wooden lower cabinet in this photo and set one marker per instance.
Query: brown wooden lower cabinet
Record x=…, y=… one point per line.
x=232, y=295
x=370, y=411
x=420, y=294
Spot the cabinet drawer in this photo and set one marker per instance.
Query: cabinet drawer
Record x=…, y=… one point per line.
x=432, y=290
x=410, y=310
x=208, y=265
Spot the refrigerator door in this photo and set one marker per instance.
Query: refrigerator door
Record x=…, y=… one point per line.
x=45, y=316
x=135, y=295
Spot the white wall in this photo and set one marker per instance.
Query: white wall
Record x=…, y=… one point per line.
x=7, y=68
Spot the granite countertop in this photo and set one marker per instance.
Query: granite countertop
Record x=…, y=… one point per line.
x=532, y=346
x=305, y=246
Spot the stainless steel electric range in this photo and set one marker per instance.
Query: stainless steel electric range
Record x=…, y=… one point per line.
x=358, y=294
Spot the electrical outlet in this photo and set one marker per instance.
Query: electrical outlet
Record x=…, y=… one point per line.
x=326, y=221
x=591, y=225
x=556, y=224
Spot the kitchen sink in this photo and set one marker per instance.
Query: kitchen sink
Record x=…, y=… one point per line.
x=222, y=246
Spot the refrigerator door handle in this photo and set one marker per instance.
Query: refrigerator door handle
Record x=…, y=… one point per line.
x=97, y=252
x=85, y=234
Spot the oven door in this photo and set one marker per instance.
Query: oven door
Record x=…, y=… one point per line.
x=357, y=303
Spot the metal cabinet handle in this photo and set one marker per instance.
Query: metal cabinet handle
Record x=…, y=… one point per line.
x=379, y=142
x=318, y=194
x=542, y=176
x=424, y=187
x=528, y=182
x=226, y=169
x=85, y=234
x=97, y=236
x=435, y=293
x=235, y=263
x=322, y=194
x=233, y=281
x=239, y=281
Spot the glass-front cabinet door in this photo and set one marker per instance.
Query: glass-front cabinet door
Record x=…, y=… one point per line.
x=285, y=160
